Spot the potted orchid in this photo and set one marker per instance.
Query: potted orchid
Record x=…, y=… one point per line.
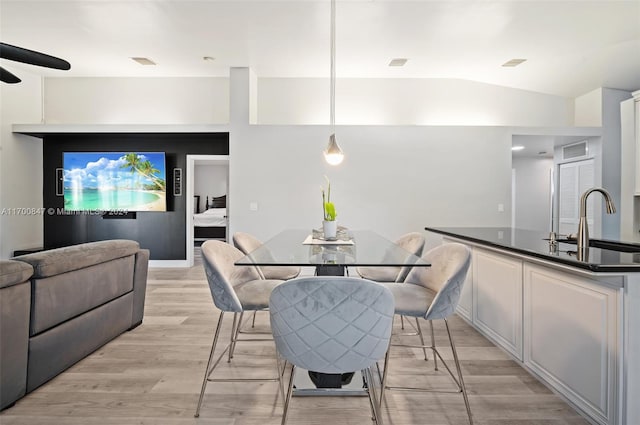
x=329, y=223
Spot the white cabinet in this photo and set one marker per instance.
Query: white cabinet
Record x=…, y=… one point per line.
x=465, y=305
x=497, y=299
x=570, y=330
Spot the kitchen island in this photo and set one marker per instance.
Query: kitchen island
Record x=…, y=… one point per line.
x=572, y=320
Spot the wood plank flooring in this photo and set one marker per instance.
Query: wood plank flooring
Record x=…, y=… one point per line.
x=153, y=375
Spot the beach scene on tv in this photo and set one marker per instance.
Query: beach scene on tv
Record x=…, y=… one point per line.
x=122, y=181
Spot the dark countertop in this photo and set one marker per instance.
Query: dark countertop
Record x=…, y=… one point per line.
x=536, y=244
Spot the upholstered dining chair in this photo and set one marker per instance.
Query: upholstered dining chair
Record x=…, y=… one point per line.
x=433, y=293
x=332, y=325
x=234, y=289
x=248, y=243
x=413, y=243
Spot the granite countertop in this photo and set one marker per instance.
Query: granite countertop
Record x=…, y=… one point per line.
x=536, y=244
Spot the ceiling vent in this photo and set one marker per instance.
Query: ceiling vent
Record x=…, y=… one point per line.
x=144, y=61
x=575, y=150
x=513, y=62
x=398, y=62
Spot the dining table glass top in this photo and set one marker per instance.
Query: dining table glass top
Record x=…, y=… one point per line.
x=296, y=247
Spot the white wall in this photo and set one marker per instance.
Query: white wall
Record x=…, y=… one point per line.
x=378, y=101
x=532, y=200
x=588, y=109
x=393, y=179
x=136, y=100
x=20, y=167
x=210, y=180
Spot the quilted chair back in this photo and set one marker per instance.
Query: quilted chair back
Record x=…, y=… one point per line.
x=222, y=274
x=331, y=324
x=446, y=276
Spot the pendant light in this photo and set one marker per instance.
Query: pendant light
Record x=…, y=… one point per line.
x=333, y=155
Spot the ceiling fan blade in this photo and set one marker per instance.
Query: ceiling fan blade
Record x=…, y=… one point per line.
x=19, y=54
x=7, y=77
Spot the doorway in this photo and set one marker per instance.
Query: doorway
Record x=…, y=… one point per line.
x=207, y=192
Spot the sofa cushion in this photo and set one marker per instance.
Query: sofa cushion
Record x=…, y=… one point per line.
x=14, y=272
x=58, y=298
x=56, y=261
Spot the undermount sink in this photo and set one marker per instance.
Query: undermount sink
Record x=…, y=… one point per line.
x=605, y=244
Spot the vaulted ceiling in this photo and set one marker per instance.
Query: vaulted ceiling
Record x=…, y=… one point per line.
x=570, y=47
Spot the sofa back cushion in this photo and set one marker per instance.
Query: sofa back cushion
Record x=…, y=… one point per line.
x=61, y=260
x=56, y=299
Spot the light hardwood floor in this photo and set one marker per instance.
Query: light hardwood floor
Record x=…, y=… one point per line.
x=153, y=375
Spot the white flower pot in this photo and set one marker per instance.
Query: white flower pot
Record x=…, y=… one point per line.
x=330, y=229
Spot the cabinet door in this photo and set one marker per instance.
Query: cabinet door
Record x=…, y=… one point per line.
x=570, y=329
x=497, y=299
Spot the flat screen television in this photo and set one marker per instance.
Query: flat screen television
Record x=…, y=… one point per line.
x=114, y=181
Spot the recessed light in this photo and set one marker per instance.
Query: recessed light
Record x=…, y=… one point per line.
x=144, y=61
x=513, y=62
x=517, y=148
x=398, y=62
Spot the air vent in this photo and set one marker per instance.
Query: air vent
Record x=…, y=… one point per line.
x=398, y=62
x=576, y=150
x=144, y=61
x=513, y=62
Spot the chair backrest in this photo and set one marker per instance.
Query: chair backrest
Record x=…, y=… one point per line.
x=222, y=274
x=446, y=276
x=411, y=242
x=414, y=243
x=331, y=324
x=248, y=243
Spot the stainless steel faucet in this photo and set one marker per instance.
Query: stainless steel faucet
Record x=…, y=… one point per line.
x=583, y=227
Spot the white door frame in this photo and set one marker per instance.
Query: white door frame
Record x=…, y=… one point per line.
x=190, y=188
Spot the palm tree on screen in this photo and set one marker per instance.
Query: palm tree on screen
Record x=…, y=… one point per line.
x=136, y=164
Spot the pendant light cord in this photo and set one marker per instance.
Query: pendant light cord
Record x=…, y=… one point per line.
x=332, y=115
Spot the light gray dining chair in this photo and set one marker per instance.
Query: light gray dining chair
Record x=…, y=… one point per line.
x=433, y=293
x=412, y=243
x=234, y=289
x=332, y=325
x=247, y=243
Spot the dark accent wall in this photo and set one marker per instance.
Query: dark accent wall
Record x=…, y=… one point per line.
x=163, y=233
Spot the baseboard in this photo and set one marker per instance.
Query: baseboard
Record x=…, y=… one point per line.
x=168, y=263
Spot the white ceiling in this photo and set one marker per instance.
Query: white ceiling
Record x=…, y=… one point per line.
x=571, y=47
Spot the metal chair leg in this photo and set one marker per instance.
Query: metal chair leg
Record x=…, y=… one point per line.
x=253, y=321
x=424, y=348
x=462, y=386
x=383, y=384
x=288, y=399
x=367, y=374
x=402, y=322
x=433, y=346
x=207, y=371
x=235, y=330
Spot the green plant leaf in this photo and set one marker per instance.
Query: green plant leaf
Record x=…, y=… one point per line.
x=329, y=211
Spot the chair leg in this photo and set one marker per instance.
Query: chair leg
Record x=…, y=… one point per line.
x=280, y=375
x=207, y=371
x=288, y=399
x=253, y=321
x=433, y=346
x=424, y=348
x=402, y=322
x=367, y=374
x=383, y=384
x=235, y=330
x=462, y=386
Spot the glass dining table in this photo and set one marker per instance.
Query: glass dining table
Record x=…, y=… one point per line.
x=353, y=248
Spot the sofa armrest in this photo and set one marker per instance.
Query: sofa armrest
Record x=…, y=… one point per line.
x=15, y=301
x=140, y=270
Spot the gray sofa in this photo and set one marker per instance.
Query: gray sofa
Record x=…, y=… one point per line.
x=60, y=305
